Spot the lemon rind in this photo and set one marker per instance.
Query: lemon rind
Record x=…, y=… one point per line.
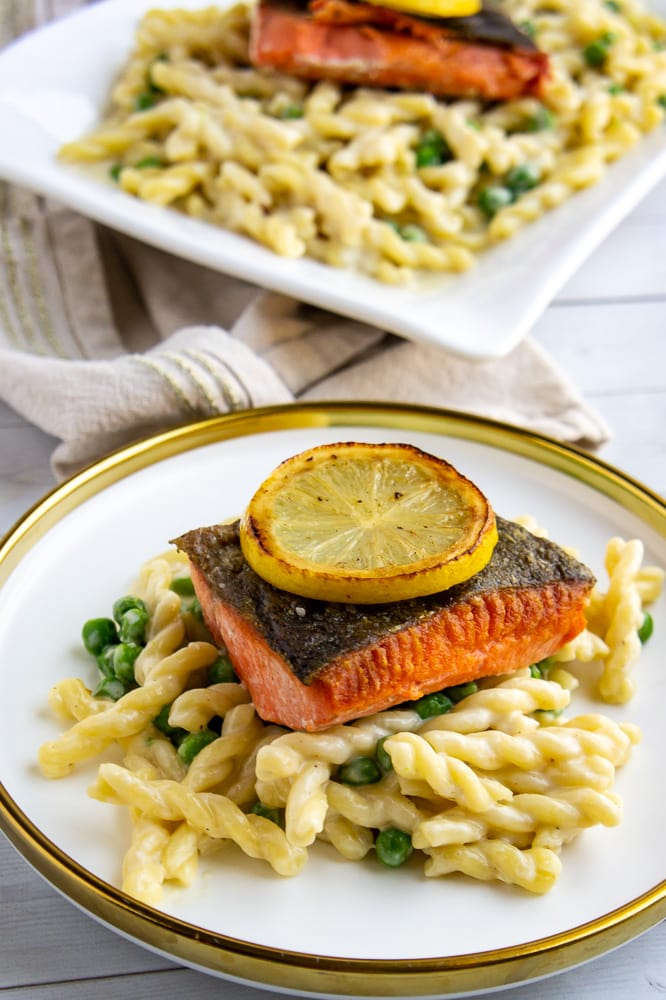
x=432, y=8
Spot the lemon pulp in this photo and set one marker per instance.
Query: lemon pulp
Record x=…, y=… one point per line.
x=367, y=523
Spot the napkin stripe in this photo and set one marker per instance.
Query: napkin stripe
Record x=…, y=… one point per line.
x=6, y=321
x=9, y=27
x=19, y=16
x=26, y=331
x=249, y=398
x=23, y=15
x=36, y=284
x=197, y=367
x=25, y=296
x=169, y=380
x=190, y=370
x=212, y=364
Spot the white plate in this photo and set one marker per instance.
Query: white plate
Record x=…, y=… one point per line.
x=339, y=928
x=54, y=83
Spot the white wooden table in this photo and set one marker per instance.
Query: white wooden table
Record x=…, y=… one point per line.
x=607, y=329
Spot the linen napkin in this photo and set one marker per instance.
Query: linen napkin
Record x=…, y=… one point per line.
x=104, y=340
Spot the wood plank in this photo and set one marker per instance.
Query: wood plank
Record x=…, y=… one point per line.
x=630, y=262
x=637, y=971
x=637, y=447
x=25, y=473
x=45, y=938
x=607, y=348
x=612, y=353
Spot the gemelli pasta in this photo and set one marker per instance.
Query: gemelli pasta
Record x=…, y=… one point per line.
x=493, y=788
x=337, y=173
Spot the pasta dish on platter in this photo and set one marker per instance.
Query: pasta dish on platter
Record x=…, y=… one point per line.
x=211, y=118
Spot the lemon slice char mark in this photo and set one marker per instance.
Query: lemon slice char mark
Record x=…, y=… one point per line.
x=367, y=524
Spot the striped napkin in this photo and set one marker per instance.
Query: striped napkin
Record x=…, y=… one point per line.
x=104, y=340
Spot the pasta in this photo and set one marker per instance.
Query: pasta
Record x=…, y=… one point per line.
x=615, y=619
x=332, y=173
x=493, y=788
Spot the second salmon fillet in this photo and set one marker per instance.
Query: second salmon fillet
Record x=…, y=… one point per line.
x=353, y=42
x=312, y=664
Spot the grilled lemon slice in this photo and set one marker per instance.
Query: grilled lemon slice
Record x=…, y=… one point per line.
x=433, y=8
x=367, y=524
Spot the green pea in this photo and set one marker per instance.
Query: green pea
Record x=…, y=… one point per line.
x=408, y=231
x=596, y=52
x=647, y=628
x=493, y=197
x=133, y=625
x=147, y=162
x=661, y=101
x=393, y=846
x=430, y=705
x=97, y=633
x=161, y=722
x=542, y=668
x=193, y=743
x=124, y=604
x=614, y=6
x=412, y=233
x=360, y=771
x=432, y=149
x=115, y=171
x=529, y=28
x=110, y=687
x=195, y=609
x=124, y=658
x=291, y=111
x=105, y=659
x=222, y=671
x=460, y=691
x=542, y=120
x=523, y=178
x=144, y=101
x=183, y=586
x=615, y=88
x=547, y=715
x=274, y=815
x=382, y=757
x=428, y=156
x=433, y=137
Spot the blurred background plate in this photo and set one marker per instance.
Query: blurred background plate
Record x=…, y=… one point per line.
x=46, y=99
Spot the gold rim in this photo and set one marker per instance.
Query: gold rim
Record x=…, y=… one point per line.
x=291, y=971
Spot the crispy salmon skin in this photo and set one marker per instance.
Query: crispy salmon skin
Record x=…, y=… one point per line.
x=311, y=664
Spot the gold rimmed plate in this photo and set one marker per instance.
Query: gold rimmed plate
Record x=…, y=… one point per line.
x=339, y=928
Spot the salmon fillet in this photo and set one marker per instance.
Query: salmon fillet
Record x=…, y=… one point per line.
x=361, y=43
x=311, y=664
